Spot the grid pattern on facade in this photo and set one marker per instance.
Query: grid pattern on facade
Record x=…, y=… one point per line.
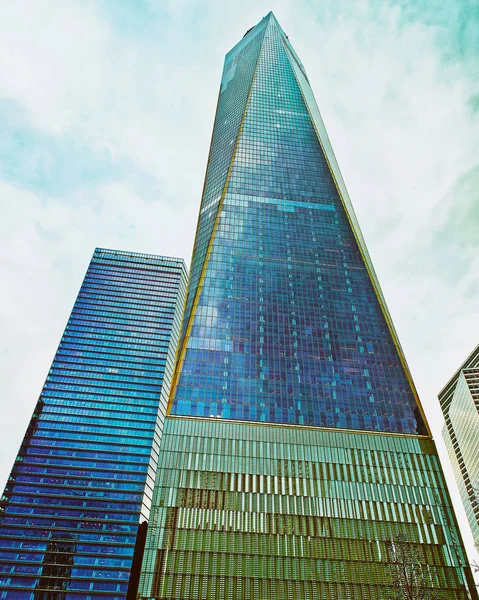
x=472, y=379
x=249, y=511
x=286, y=326
x=83, y=478
x=460, y=404
x=235, y=85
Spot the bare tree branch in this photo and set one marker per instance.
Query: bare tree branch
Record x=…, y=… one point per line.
x=411, y=578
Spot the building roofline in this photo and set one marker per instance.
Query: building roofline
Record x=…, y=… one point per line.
x=457, y=373
x=139, y=255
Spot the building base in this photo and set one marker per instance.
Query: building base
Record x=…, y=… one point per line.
x=246, y=510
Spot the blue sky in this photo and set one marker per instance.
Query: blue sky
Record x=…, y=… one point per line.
x=106, y=111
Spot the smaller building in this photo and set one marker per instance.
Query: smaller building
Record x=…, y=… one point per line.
x=79, y=494
x=460, y=404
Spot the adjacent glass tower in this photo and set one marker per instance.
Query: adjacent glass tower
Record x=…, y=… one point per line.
x=83, y=478
x=459, y=401
x=295, y=447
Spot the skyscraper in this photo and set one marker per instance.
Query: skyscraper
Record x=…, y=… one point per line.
x=295, y=447
x=459, y=401
x=82, y=481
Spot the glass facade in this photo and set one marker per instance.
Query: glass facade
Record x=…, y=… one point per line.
x=283, y=324
x=460, y=404
x=294, y=447
x=83, y=478
x=248, y=511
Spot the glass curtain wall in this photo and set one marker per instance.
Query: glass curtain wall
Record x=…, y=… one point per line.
x=295, y=449
x=83, y=478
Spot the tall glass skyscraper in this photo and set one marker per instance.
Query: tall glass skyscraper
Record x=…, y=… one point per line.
x=295, y=447
x=459, y=401
x=82, y=481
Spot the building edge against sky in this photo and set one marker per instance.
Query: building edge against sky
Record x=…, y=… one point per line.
x=459, y=403
x=83, y=479
x=266, y=488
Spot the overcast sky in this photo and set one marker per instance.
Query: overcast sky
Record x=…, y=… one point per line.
x=106, y=112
